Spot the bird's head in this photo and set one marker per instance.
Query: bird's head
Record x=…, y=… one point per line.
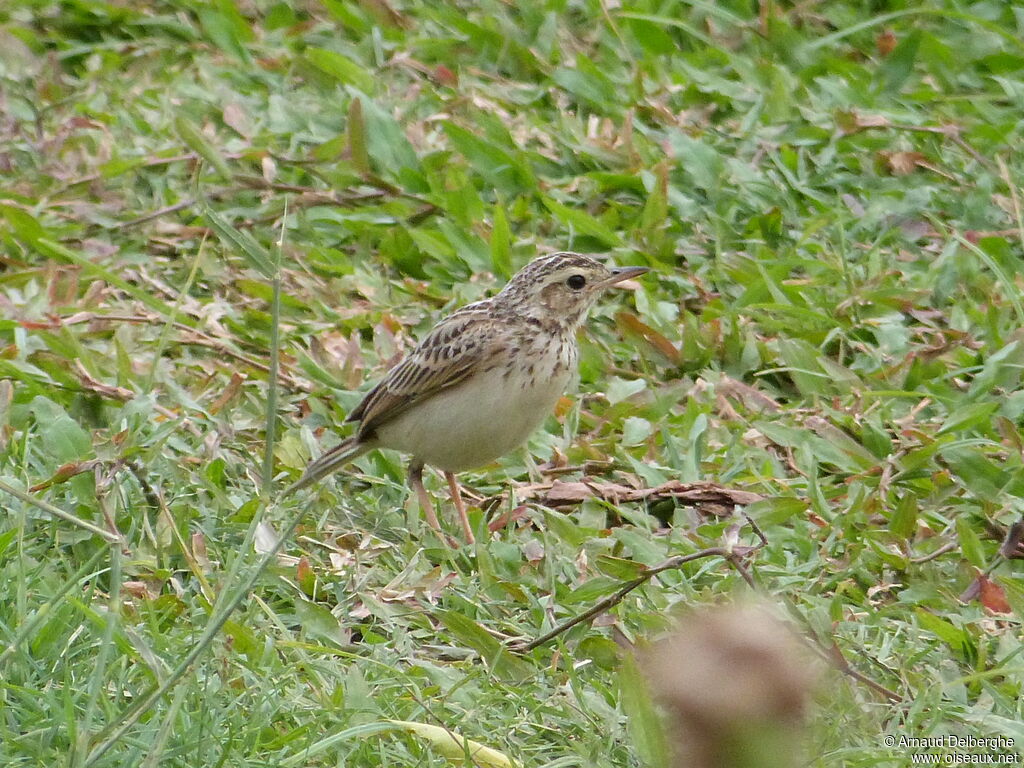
x=561, y=287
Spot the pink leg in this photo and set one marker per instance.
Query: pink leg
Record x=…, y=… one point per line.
x=460, y=506
x=416, y=481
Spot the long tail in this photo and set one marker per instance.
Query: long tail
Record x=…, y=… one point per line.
x=338, y=456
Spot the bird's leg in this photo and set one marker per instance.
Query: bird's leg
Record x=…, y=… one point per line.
x=460, y=506
x=416, y=481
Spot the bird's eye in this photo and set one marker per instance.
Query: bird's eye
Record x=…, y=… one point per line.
x=576, y=282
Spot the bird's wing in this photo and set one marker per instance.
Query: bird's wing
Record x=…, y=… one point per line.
x=459, y=345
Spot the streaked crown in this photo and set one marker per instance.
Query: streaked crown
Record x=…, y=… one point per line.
x=560, y=287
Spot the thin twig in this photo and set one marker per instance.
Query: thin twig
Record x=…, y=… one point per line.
x=103, y=480
x=166, y=210
x=1004, y=172
x=156, y=500
x=151, y=163
x=201, y=340
x=835, y=655
x=949, y=546
x=59, y=513
x=951, y=132
x=120, y=725
x=629, y=586
x=832, y=653
x=732, y=553
x=275, y=359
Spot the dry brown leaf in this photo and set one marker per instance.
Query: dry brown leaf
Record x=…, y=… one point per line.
x=66, y=472
x=885, y=42
x=852, y=122
x=234, y=117
x=710, y=497
x=633, y=324
x=508, y=517
x=433, y=589
x=993, y=597
x=752, y=398
x=903, y=163
x=268, y=167
x=871, y=121
x=986, y=592
x=229, y=393
x=140, y=590
x=200, y=553
x=385, y=13
x=533, y=551
x=445, y=76
x=90, y=384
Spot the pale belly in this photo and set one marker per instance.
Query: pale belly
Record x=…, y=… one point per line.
x=475, y=422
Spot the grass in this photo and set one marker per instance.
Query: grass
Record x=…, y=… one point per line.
x=830, y=198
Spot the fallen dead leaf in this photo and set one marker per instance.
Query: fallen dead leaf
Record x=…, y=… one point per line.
x=533, y=550
x=885, y=42
x=633, y=324
x=229, y=392
x=753, y=399
x=708, y=497
x=902, y=163
x=106, y=390
x=66, y=472
x=508, y=517
x=986, y=592
x=993, y=597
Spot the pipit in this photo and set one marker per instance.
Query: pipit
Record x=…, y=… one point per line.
x=482, y=380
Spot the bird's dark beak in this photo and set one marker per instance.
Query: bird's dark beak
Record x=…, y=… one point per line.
x=622, y=273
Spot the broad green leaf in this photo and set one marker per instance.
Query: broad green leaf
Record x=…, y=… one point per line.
x=903, y=521
x=975, y=470
x=501, y=241
x=592, y=589
x=243, y=243
x=357, y=137
x=24, y=224
x=900, y=63
x=699, y=160
x=494, y=162
x=341, y=68
x=587, y=83
x=603, y=651
x=656, y=207
x=62, y=437
x=802, y=363
x=195, y=141
x=243, y=639
x=226, y=27
x=970, y=542
x=318, y=622
x=635, y=430
x=619, y=567
x=777, y=510
x=644, y=722
x=502, y=661
x=619, y=389
x=951, y=635
x=582, y=223
x=386, y=142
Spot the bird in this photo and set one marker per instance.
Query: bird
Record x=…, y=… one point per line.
x=481, y=381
